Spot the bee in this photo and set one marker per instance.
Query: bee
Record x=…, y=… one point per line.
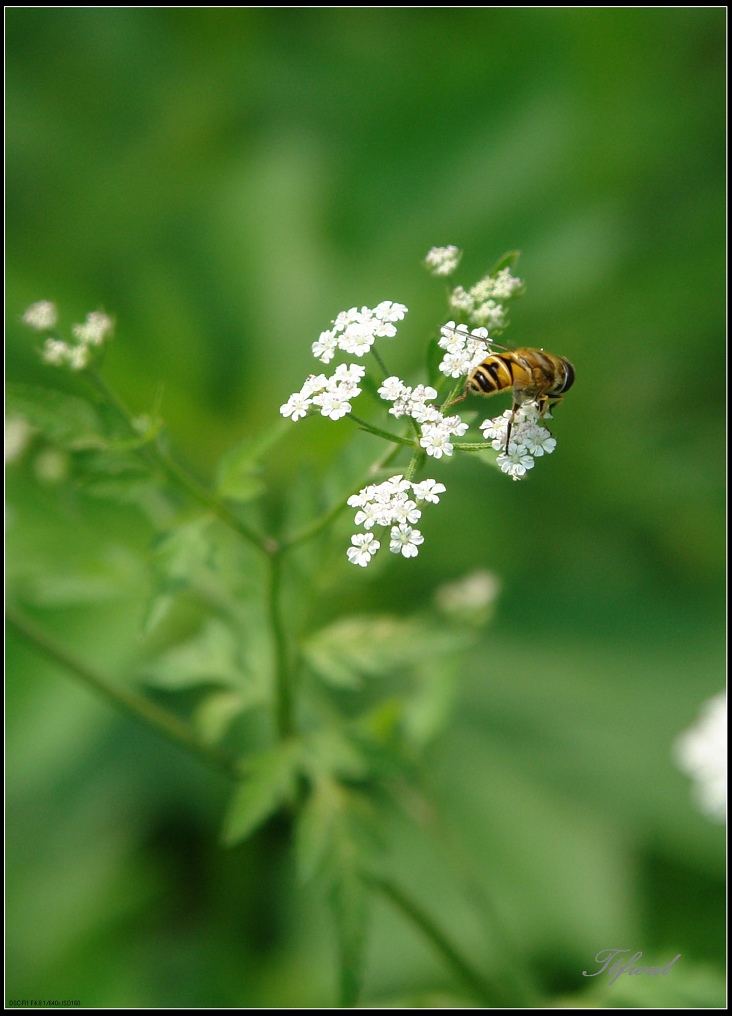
x=532, y=375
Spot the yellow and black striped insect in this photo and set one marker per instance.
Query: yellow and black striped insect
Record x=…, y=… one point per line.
x=532, y=375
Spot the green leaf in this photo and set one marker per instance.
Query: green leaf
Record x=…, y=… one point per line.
x=348, y=651
x=216, y=713
x=237, y=474
x=508, y=260
x=65, y=420
x=212, y=657
x=268, y=781
x=316, y=824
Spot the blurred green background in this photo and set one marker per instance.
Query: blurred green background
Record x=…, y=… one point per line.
x=224, y=181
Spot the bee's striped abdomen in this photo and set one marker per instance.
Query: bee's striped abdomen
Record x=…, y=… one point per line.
x=495, y=374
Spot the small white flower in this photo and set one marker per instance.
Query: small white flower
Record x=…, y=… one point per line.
x=333, y=403
x=404, y=510
x=364, y=547
x=457, y=364
x=357, y=339
x=443, y=260
x=490, y=314
x=392, y=389
x=78, y=356
x=461, y=301
x=538, y=441
x=41, y=316
x=388, y=312
x=394, y=485
x=428, y=490
x=95, y=329
x=324, y=348
x=55, y=352
x=506, y=285
x=370, y=515
x=436, y=440
x=405, y=540
x=314, y=383
x=701, y=753
x=349, y=372
x=516, y=462
x=296, y=406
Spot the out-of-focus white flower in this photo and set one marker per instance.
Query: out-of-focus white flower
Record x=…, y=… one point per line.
x=42, y=316
x=95, y=329
x=485, y=303
x=701, y=753
x=55, y=352
x=51, y=466
x=77, y=354
x=18, y=434
x=443, y=260
x=469, y=599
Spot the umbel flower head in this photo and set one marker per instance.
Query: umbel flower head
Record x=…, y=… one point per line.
x=518, y=435
x=395, y=504
x=76, y=355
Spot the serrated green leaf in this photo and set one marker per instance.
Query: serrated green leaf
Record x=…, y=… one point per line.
x=211, y=657
x=65, y=420
x=237, y=472
x=216, y=713
x=184, y=548
x=268, y=781
x=348, y=651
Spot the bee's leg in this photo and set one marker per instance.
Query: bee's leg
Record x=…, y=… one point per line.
x=514, y=409
x=453, y=401
x=546, y=403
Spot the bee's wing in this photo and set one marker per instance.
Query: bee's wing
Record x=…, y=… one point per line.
x=482, y=338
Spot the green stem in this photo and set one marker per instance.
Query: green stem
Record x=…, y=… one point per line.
x=204, y=497
x=380, y=433
x=283, y=676
x=489, y=993
x=141, y=708
x=157, y=455
x=382, y=366
x=472, y=446
x=324, y=521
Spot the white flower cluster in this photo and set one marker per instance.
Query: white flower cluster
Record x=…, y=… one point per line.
x=484, y=303
x=701, y=753
x=529, y=439
x=436, y=428
x=355, y=331
x=331, y=394
x=42, y=316
x=390, y=504
x=443, y=260
x=464, y=349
